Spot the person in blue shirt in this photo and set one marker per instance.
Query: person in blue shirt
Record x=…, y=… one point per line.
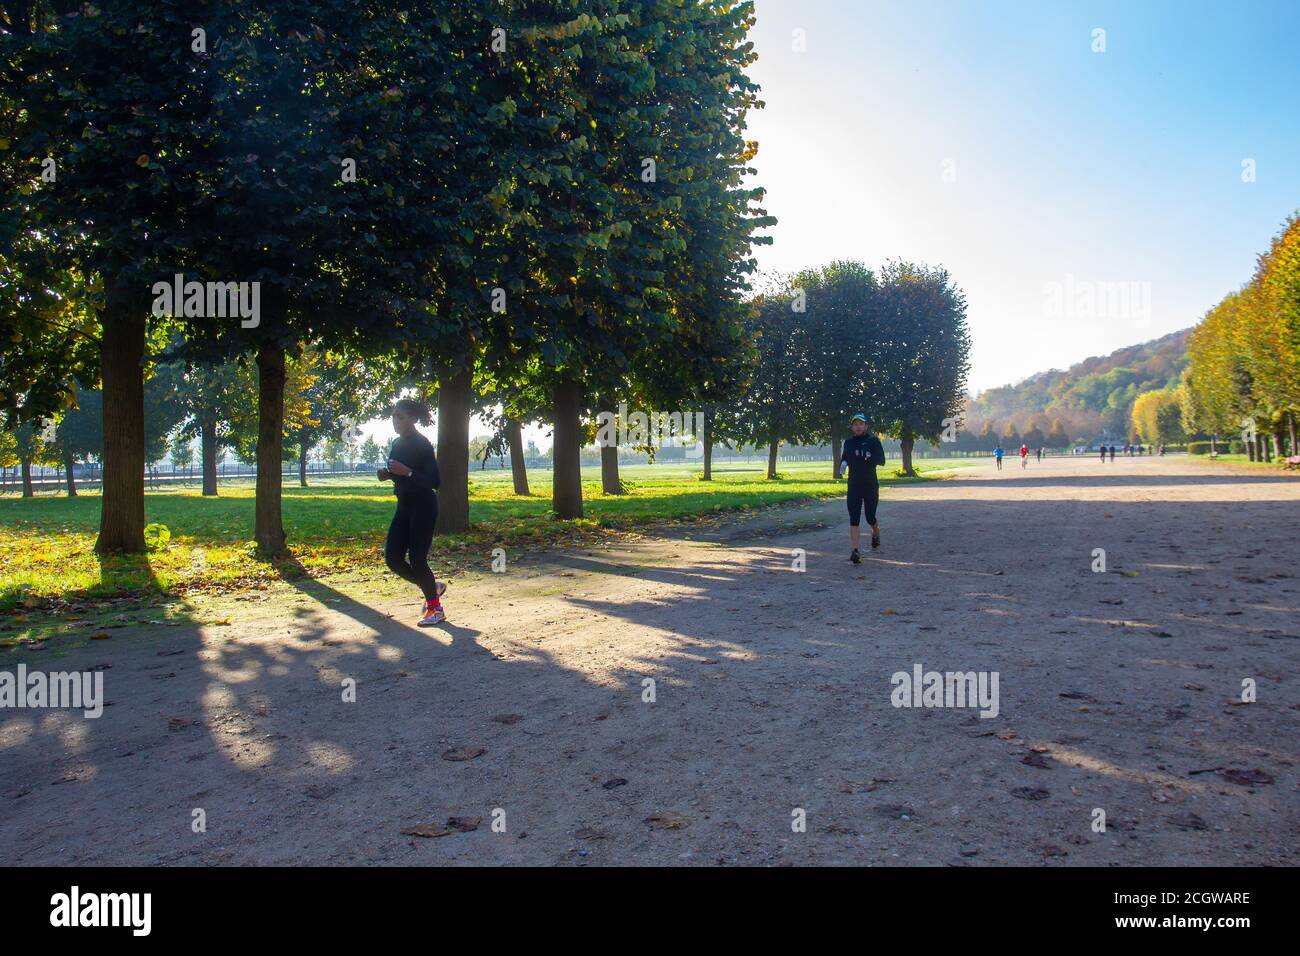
x=863, y=454
x=997, y=455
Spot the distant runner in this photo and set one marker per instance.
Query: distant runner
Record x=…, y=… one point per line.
x=1024, y=455
x=863, y=454
x=997, y=455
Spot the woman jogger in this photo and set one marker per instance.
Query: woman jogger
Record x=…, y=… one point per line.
x=413, y=469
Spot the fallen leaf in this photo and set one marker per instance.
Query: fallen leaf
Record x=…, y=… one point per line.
x=666, y=821
x=464, y=824
x=1031, y=793
x=1246, y=778
x=426, y=830
x=463, y=753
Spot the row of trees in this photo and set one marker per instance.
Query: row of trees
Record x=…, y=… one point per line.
x=1243, y=377
x=527, y=207
x=841, y=339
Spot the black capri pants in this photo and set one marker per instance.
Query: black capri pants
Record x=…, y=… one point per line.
x=410, y=536
x=863, y=498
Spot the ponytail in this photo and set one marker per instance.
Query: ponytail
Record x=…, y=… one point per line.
x=415, y=409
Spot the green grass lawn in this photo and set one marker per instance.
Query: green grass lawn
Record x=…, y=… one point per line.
x=1241, y=459
x=338, y=524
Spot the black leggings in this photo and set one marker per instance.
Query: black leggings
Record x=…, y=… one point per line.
x=863, y=497
x=411, y=533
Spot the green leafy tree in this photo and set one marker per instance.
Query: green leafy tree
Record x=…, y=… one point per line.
x=780, y=403
x=924, y=354
x=843, y=338
x=119, y=211
x=80, y=435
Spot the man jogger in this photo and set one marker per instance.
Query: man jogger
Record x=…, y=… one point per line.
x=863, y=454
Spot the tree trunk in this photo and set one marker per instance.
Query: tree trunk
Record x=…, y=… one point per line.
x=27, y=478
x=905, y=448
x=121, y=507
x=518, y=467
x=566, y=451
x=837, y=448
x=208, y=442
x=1290, y=417
x=268, y=525
x=302, y=463
x=707, y=440
x=772, y=449
x=609, y=480
x=72, y=484
x=455, y=403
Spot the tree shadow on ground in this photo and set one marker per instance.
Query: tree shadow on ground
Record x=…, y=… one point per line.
x=772, y=691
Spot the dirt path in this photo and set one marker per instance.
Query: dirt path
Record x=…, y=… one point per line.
x=772, y=694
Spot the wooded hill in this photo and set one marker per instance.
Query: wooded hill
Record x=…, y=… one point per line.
x=1090, y=396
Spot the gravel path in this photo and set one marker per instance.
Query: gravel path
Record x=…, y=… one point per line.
x=1118, y=692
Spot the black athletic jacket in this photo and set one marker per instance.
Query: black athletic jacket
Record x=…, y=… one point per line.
x=863, y=455
x=415, y=453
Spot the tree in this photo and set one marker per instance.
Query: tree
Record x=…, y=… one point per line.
x=780, y=404
x=370, y=453
x=1157, y=417
x=843, y=335
x=649, y=106
x=342, y=394
x=206, y=393
x=80, y=434
x=120, y=207
x=182, y=453
x=27, y=448
x=925, y=354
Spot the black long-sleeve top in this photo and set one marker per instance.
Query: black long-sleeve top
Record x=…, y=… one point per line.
x=415, y=452
x=863, y=454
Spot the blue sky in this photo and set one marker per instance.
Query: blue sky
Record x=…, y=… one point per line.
x=989, y=137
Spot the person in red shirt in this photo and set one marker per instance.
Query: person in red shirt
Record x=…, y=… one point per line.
x=1024, y=455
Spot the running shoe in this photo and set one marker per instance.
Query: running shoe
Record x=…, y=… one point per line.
x=855, y=557
x=433, y=614
x=875, y=542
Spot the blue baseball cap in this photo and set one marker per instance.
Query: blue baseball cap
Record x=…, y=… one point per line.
x=858, y=417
